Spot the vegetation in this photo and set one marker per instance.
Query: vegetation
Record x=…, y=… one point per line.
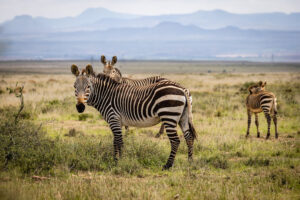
x=53, y=152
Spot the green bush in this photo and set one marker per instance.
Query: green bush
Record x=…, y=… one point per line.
x=24, y=145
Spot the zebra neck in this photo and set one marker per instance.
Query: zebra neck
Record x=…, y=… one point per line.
x=100, y=97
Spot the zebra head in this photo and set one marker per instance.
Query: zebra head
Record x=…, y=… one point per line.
x=109, y=68
x=108, y=65
x=257, y=87
x=83, y=85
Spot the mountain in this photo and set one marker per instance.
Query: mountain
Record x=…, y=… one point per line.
x=103, y=19
x=213, y=34
x=26, y=24
x=167, y=40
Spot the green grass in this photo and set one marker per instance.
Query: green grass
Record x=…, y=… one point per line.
x=75, y=152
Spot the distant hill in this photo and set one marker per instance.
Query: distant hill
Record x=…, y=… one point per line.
x=201, y=35
x=103, y=19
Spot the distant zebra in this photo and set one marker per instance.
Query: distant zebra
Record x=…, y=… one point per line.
x=258, y=101
x=116, y=74
x=141, y=106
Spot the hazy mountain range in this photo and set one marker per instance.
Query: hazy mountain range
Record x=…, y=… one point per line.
x=201, y=35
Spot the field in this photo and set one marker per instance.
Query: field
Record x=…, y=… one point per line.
x=53, y=152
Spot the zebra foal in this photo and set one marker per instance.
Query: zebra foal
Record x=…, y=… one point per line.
x=140, y=106
x=259, y=101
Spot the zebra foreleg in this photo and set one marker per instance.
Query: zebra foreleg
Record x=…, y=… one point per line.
x=268, y=117
x=249, y=122
x=118, y=139
x=175, y=141
x=161, y=131
x=257, y=125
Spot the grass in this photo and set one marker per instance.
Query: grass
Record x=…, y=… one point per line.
x=74, y=151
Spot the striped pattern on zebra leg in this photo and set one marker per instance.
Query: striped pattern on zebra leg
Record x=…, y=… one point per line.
x=187, y=132
x=161, y=131
x=116, y=129
x=174, y=141
x=257, y=125
x=268, y=117
x=249, y=113
x=275, y=123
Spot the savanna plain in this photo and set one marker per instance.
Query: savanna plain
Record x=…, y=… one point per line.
x=50, y=151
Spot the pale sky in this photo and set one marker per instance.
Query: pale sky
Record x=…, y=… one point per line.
x=62, y=8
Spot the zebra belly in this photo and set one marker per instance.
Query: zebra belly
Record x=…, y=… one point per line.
x=150, y=121
x=256, y=110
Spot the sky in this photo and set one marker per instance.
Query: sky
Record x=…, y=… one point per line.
x=63, y=8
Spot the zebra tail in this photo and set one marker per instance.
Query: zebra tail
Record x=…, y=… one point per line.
x=190, y=114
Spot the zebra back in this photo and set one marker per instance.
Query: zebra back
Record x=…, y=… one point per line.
x=262, y=101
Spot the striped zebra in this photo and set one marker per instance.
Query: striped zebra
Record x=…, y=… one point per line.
x=116, y=74
x=258, y=101
x=140, y=106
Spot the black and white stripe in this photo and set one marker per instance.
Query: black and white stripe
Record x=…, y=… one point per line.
x=258, y=101
x=140, y=106
x=116, y=74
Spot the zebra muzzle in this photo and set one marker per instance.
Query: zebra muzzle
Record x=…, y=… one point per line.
x=80, y=107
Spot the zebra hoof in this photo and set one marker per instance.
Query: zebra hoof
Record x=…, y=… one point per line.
x=268, y=136
x=276, y=136
x=166, y=167
x=157, y=135
x=258, y=135
x=247, y=135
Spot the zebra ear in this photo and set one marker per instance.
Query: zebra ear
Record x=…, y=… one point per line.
x=265, y=83
x=260, y=83
x=74, y=70
x=89, y=70
x=114, y=60
x=103, y=60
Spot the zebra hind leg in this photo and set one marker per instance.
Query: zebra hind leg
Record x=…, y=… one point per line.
x=268, y=117
x=126, y=130
x=275, y=123
x=174, y=140
x=188, y=136
x=249, y=122
x=257, y=125
x=161, y=131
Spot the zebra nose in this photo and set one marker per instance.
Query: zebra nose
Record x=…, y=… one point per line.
x=80, y=107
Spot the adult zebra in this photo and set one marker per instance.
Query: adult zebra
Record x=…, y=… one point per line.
x=142, y=106
x=115, y=73
x=258, y=101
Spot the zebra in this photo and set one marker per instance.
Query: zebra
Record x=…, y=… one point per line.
x=116, y=74
x=140, y=106
x=258, y=101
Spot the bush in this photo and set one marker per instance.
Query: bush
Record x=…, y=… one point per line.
x=245, y=86
x=24, y=146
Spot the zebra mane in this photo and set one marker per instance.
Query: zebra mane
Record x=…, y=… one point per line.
x=118, y=71
x=103, y=76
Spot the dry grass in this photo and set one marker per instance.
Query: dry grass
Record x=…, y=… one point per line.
x=226, y=165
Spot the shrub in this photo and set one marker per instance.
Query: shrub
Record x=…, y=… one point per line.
x=24, y=145
x=245, y=86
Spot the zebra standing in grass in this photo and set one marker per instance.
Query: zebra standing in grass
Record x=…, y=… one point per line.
x=258, y=101
x=116, y=74
x=140, y=106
